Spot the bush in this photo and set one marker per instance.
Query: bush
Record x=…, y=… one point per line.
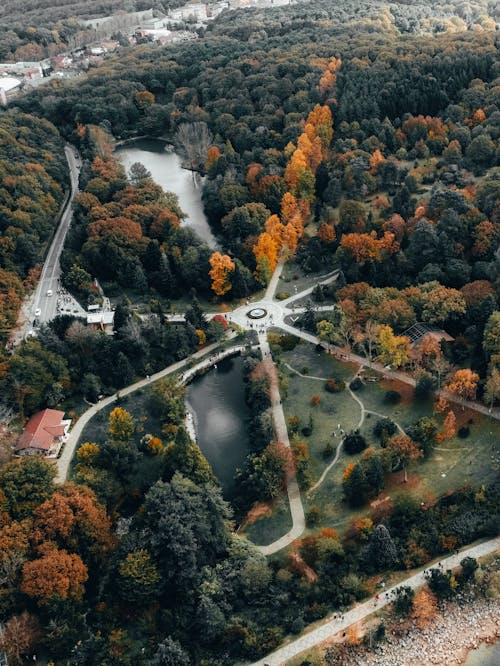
x=403, y=603
x=392, y=397
x=328, y=451
x=333, y=385
x=425, y=386
x=312, y=516
x=315, y=400
x=356, y=384
x=281, y=295
x=383, y=429
x=463, y=432
x=354, y=443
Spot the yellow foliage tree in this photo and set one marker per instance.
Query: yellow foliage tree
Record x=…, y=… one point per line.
x=393, y=349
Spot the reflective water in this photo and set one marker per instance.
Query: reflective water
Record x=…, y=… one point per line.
x=485, y=655
x=166, y=170
x=217, y=401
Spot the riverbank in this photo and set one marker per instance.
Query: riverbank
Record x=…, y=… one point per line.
x=446, y=641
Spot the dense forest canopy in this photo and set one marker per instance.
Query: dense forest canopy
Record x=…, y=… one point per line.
x=353, y=135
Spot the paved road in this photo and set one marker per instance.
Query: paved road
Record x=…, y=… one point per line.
x=49, y=279
x=333, y=625
x=63, y=463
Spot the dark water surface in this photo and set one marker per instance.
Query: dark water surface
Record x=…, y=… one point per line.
x=165, y=168
x=217, y=402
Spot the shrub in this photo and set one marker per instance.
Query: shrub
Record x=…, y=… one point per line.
x=312, y=516
x=392, y=397
x=356, y=384
x=281, y=295
x=333, y=385
x=425, y=386
x=403, y=603
x=463, y=432
x=328, y=450
x=383, y=429
x=315, y=400
x=354, y=443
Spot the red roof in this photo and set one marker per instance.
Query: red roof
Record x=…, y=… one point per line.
x=41, y=430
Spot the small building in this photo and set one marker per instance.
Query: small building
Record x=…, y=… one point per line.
x=419, y=331
x=101, y=321
x=8, y=87
x=44, y=434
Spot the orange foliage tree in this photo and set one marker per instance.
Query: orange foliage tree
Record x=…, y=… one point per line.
x=73, y=518
x=221, y=267
x=404, y=450
x=463, y=384
x=55, y=575
x=367, y=247
x=449, y=427
x=424, y=607
x=266, y=255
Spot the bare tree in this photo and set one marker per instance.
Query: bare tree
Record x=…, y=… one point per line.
x=194, y=140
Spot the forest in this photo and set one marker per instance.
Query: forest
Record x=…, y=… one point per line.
x=358, y=136
x=33, y=177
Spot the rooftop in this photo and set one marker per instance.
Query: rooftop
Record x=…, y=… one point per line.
x=41, y=430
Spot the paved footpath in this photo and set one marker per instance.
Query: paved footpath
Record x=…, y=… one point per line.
x=64, y=461
x=332, y=626
x=294, y=498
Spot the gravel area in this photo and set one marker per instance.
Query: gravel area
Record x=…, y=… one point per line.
x=446, y=641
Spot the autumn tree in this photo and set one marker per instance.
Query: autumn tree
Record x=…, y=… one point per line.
x=492, y=387
x=463, y=384
x=73, y=519
x=266, y=255
x=138, y=579
x=393, y=349
x=221, y=267
x=55, y=575
x=20, y=637
x=403, y=451
x=449, y=427
x=121, y=425
x=424, y=607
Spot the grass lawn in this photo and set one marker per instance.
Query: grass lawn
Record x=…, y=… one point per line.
x=293, y=276
x=96, y=429
x=270, y=528
x=451, y=464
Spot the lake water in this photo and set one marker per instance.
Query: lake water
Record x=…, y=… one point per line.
x=485, y=655
x=166, y=170
x=217, y=402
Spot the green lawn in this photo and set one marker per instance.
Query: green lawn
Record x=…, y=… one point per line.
x=268, y=529
x=293, y=276
x=452, y=464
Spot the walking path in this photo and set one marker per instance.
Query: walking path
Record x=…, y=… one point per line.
x=63, y=463
x=294, y=498
x=332, y=626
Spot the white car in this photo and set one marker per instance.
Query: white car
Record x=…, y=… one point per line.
x=49, y=292
x=38, y=312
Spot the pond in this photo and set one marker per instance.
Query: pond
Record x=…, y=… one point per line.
x=217, y=403
x=166, y=170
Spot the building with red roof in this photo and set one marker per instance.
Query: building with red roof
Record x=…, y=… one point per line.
x=44, y=434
